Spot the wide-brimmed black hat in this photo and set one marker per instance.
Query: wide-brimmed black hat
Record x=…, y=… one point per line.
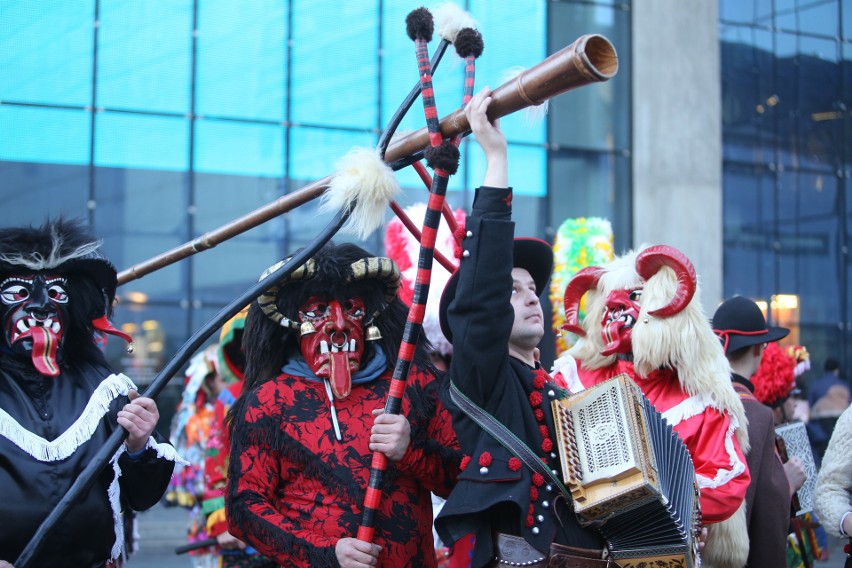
x=533, y=255
x=739, y=323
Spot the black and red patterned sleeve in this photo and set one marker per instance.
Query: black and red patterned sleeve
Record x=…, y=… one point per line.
x=257, y=472
x=434, y=454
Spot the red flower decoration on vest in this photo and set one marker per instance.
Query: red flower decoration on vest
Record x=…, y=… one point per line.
x=514, y=464
x=535, y=398
x=538, y=479
x=464, y=461
x=539, y=382
x=485, y=459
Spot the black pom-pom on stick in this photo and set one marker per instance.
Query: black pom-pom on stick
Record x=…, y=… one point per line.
x=469, y=43
x=444, y=157
x=419, y=24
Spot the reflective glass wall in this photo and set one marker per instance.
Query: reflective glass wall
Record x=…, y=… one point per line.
x=161, y=121
x=787, y=90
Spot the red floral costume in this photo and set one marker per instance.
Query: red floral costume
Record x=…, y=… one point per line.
x=295, y=490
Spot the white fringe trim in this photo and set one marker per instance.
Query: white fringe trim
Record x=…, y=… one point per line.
x=77, y=434
x=114, y=494
x=80, y=432
x=693, y=406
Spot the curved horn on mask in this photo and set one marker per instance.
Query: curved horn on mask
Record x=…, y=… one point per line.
x=649, y=262
x=582, y=282
x=267, y=300
x=379, y=268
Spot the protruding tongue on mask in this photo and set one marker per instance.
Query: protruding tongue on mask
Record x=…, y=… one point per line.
x=611, y=337
x=45, y=346
x=339, y=374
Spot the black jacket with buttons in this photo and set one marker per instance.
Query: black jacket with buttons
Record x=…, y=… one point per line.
x=495, y=493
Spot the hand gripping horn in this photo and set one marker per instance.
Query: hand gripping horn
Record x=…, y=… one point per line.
x=649, y=262
x=582, y=282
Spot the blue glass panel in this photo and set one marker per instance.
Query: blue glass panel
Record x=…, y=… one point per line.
x=809, y=17
x=241, y=68
x=141, y=141
x=746, y=11
x=505, y=54
x=144, y=55
x=56, y=189
x=592, y=184
x=599, y=113
x=223, y=273
x=239, y=148
x=334, y=71
x=527, y=169
x=30, y=134
x=219, y=200
x=46, y=51
x=314, y=152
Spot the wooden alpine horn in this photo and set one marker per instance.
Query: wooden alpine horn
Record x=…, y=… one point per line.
x=590, y=59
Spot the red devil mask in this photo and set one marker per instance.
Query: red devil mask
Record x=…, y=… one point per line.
x=34, y=318
x=622, y=310
x=334, y=348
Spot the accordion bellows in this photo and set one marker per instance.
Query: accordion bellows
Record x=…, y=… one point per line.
x=630, y=475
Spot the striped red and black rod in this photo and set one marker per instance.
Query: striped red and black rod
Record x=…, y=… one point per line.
x=443, y=157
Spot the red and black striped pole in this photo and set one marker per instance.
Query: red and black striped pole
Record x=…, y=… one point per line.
x=443, y=157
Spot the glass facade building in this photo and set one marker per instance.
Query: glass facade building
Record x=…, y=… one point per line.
x=159, y=121
x=786, y=96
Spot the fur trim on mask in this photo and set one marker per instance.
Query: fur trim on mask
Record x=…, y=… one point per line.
x=684, y=342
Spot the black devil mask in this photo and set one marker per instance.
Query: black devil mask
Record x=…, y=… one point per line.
x=56, y=291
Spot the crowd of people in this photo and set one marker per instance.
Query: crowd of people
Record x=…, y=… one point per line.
x=284, y=421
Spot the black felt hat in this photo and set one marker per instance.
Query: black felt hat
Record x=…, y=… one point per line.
x=533, y=255
x=739, y=323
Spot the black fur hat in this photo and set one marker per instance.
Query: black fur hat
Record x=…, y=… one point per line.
x=63, y=246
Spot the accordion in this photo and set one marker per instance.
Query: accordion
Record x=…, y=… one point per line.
x=795, y=442
x=630, y=475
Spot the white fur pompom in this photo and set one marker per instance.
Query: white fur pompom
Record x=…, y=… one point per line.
x=363, y=178
x=450, y=20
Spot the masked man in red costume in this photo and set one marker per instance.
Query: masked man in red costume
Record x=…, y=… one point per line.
x=643, y=318
x=320, y=353
x=60, y=401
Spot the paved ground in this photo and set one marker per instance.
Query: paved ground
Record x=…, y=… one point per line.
x=162, y=529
